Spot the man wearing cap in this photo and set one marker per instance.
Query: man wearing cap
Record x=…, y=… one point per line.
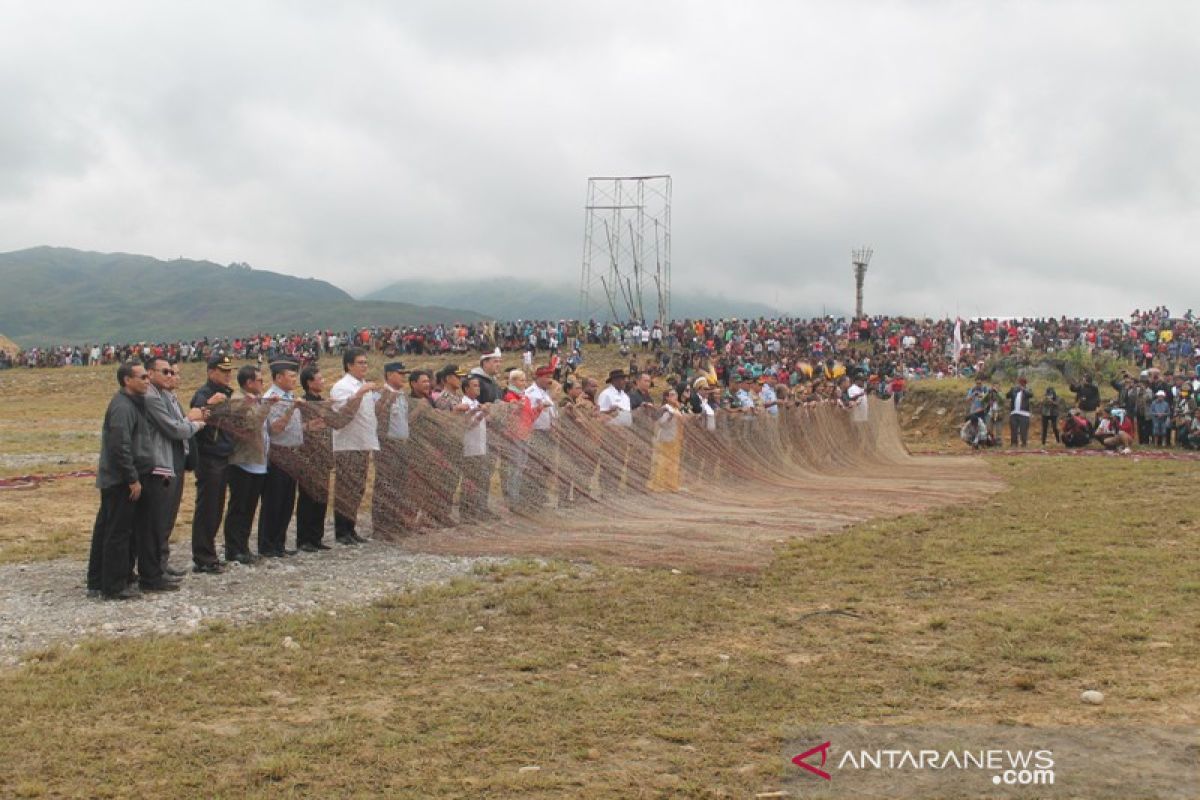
x=614, y=408
x=285, y=426
x=213, y=446
x=541, y=463
x=391, y=504
x=489, y=392
x=1018, y=416
x=476, y=468
x=353, y=443
x=488, y=369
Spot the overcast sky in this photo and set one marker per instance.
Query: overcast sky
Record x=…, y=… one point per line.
x=1001, y=158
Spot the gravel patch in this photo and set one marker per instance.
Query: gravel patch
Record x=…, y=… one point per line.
x=45, y=603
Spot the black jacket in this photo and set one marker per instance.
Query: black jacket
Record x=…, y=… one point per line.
x=212, y=442
x=125, y=450
x=489, y=392
x=1087, y=396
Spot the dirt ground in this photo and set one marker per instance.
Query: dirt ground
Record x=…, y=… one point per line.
x=725, y=529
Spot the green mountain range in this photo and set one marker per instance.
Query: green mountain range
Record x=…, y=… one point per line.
x=55, y=295
x=505, y=298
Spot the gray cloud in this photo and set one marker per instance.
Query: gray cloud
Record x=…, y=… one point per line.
x=1001, y=158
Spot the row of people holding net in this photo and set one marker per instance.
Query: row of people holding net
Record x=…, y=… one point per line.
x=436, y=458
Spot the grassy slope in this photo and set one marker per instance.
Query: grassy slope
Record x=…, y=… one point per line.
x=614, y=681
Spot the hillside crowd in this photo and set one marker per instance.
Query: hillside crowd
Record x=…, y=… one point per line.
x=886, y=346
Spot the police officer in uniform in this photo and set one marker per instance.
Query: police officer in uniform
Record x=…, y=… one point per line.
x=213, y=447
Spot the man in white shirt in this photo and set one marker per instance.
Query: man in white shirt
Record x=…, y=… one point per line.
x=541, y=441
x=286, y=430
x=354, y=443
x=857, y=396
x=770, y=401
x=477, y=467
x=614, y=407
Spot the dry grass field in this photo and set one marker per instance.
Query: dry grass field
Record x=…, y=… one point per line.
x=615, y=681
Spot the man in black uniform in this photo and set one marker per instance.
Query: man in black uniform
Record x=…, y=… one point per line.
x=213, y=447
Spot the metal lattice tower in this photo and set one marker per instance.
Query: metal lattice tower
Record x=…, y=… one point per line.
x=860, y=259
x=627, y=250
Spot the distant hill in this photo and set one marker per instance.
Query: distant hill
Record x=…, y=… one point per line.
x=51, y=295
x=502, y=298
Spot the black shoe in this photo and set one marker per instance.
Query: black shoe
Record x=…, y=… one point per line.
x=160, y=586
x=175, y=573
x=270, y=554
x=285, y=553
x=128, y=593
x=351, y=539
x=322, y=546
x=358, y=539
x=308, y=548
x=214, y=568
x=243, y=558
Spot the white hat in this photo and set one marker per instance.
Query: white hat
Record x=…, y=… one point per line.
x=1160, y=393
x=494, y=354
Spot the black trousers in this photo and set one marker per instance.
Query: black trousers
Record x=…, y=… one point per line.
x=211, y=483
x=112, y=537
x=349, y=488
x=278, y=503
x=150, y=531
x=310, y=515
x=170, y=513
x=245, y=490
x=1050, y=425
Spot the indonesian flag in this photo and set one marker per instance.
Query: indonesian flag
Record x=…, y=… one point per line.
x=958, y=345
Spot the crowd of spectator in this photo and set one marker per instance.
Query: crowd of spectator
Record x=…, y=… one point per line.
x=883, y=345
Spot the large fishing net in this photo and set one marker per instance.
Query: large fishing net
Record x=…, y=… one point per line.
x=668, y=488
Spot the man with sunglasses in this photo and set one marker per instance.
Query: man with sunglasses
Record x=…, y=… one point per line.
x=170, y=431
x=126, y=458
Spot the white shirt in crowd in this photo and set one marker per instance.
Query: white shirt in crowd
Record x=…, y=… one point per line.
x=768, y=396
x=359, y=433
x=858, y=396
x=611, y=398
x=475, y=437
x=1018, y=399
x=398, y=418
x=549, y=414
x=293, y=433
x=668, y=425
x=710, y=416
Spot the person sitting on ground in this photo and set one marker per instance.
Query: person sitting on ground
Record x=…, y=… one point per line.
x=975, y=432
x=1192, y=440
x=1113, y=431
x=1076, y=429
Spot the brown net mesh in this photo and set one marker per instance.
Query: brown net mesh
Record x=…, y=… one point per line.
x=713, y=492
